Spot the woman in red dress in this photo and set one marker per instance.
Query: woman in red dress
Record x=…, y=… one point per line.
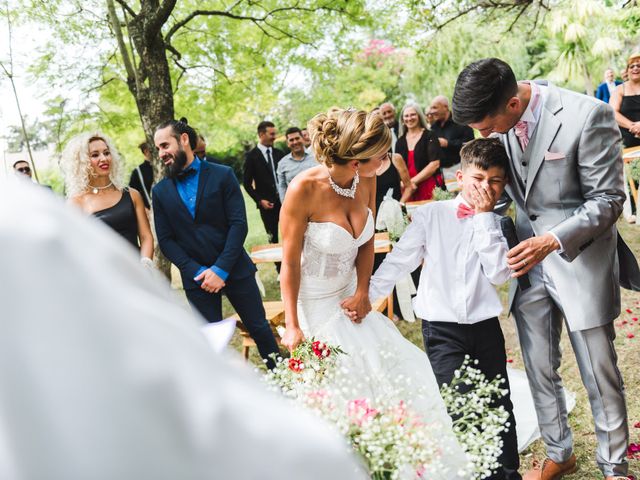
x=422, y=152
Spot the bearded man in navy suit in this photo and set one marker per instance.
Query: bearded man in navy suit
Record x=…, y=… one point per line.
x=201, y=224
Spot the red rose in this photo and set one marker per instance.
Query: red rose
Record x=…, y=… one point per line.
x=295, y=365
x=320, y=349
x=630, y=335
x=636, y=425
x=629, y=310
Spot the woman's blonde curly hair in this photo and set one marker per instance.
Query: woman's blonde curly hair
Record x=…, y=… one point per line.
x=76, y=165
x=341, y=136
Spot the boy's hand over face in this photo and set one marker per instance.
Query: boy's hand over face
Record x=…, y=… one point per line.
x=483, y=198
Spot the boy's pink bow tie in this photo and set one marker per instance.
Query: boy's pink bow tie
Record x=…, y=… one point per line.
x=464, y=211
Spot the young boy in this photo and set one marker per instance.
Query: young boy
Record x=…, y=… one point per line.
x=464, y=254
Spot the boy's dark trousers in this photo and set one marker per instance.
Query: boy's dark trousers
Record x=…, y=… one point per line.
x=447, y=343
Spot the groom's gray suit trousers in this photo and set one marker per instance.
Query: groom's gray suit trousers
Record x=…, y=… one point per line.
x=539, y=318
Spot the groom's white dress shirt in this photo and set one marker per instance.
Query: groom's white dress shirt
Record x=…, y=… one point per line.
x=463, y=259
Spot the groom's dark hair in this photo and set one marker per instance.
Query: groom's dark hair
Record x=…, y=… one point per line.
x=484, y=153
x=482, y=88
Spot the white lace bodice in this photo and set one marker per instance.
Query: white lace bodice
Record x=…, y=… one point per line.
x=330, y=251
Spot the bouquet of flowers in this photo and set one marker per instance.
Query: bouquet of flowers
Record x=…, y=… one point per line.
x=309, y=366
x=393, y=441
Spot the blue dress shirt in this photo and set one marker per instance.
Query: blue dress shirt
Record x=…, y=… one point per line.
x=187, y=186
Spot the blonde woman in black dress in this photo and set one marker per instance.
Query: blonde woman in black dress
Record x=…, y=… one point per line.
x=93, y=180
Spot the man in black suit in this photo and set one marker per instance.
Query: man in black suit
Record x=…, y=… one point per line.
x=201, y=224
x=450, y=135
x=260, y=180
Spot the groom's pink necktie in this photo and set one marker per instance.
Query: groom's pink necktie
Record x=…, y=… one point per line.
x=522, y=132
x=522, y=127
x=464, y=211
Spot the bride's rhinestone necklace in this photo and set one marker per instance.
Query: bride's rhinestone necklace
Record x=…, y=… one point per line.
x=345, y=192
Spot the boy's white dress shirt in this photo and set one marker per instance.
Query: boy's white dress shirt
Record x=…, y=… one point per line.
x=463, y=259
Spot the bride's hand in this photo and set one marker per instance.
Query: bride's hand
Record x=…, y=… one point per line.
x=293, y=337
x=357, y=307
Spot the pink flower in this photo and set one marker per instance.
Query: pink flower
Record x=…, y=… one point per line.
x=360, y=411
x=635, y=319
x=633, y=451
x=630, y=335
x=636, y=425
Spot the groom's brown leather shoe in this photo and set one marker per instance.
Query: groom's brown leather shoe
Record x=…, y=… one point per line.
x=551, y=470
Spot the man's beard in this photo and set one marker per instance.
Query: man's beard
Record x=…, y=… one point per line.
x=179, y=161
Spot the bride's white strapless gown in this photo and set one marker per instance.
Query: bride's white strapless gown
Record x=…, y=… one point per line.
x=377, y=351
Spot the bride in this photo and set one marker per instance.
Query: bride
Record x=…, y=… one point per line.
x=327, y=223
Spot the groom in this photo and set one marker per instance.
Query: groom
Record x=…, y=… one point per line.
x=566, y=180
x=201, y=225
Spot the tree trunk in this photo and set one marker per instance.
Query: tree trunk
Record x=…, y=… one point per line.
x=151, y=87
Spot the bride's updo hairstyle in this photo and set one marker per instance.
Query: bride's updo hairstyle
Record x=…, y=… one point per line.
x=341, y=136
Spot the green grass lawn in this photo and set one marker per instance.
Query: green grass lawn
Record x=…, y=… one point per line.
x=580, y=419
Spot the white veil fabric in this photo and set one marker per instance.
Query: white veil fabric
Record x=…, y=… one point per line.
x=103, y=376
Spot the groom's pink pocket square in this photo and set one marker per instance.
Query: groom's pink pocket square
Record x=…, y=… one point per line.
x=554, y=156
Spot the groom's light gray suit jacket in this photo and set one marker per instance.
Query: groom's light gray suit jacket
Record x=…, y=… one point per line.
x=569, y=182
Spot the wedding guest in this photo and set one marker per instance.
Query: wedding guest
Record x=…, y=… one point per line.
x=115, y=376
x=420, y=151
x=142, y=176
x=201, y=224
x=456, y=296
x=451, y=136
x=606, y=88
x=306, y=139
x=22, y=168
x=626, y=103
x=92, y=172
x=391, y=175
x=556, y=137
x=201, y=150
x=388, y=112
x=260, y=178
x=298, y=160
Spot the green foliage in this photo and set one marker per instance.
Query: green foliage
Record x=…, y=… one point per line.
x=229, y=74
x=439, y=194
x=53, y=178
x=36, y=132
x=634, y=169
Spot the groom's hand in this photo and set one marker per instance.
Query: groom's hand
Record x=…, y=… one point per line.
x=528, y=253
x=356, y=307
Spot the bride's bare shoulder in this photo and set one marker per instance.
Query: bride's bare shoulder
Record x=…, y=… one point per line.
x=306, y=182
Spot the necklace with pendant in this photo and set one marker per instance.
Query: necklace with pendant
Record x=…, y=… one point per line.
x=345, y=192
x=95, y=190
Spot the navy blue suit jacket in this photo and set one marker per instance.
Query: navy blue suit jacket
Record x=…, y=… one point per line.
x=215, y=236
x=602, y=92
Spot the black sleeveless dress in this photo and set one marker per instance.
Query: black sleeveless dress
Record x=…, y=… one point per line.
x=122, y=218
x=390, y=178
x=630, y=108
